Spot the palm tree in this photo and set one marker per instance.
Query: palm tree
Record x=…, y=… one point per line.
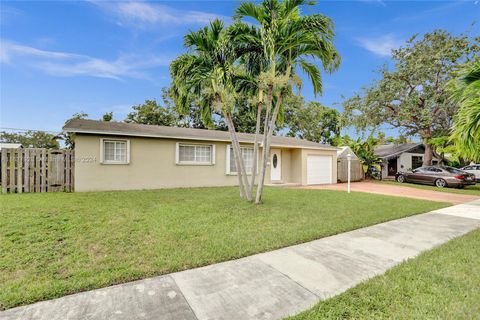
x=365, y=151
x=465, y=89
x=209, y=73
x=286, y=41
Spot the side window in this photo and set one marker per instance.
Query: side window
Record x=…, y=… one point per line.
x=417, y=161
x=115, y=151
x=468, y=168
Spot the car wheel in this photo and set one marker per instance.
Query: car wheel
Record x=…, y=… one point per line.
x=401, y=179
x=440, y=183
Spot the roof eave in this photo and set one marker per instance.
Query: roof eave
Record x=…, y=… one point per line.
x=137, y=134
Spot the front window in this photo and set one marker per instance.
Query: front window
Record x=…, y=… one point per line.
x=115, y=151
x=247, y=154
x=194, y=154
x=417, y=161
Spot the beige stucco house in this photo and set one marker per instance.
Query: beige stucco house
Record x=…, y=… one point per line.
x=125, y=156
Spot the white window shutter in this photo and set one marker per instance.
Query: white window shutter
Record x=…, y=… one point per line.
x=213, y=154
x=177, y=153
x=101, y=150
x=227, y=159
x=128, y=151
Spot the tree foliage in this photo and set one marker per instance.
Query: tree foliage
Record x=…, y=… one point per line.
x=412, y=96
x=150, y=112
x=107, y=116
x=275, y=48
x=465, y=89
x=31, y=139
x=313, y=122
x=209, y=75
x=68, y=137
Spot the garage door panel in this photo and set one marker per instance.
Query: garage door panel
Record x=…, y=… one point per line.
x=319, y=169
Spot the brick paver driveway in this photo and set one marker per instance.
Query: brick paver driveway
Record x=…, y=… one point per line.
x=400, y=191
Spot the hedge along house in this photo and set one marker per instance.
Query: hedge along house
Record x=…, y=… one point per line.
x=125, y=156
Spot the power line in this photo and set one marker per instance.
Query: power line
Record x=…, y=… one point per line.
x=20, y=129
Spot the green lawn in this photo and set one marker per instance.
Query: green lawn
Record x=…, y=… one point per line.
x=54, y=244
x=470, y=190
x=443, y=283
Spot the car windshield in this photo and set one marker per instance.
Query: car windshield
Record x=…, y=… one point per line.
x=453, y=170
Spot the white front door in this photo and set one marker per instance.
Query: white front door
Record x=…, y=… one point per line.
x=275, y=165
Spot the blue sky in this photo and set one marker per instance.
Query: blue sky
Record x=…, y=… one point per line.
x=62, y=57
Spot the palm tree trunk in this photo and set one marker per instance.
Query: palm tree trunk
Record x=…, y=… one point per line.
x=255, y=148
x=266, y=145
x=265, y=152
x=275, y=115
x=237, y=153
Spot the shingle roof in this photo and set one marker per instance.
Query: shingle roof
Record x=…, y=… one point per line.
x=142, y=130
x=388, y=151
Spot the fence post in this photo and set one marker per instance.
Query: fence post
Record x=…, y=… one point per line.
x=12, y=171
x=44, y=170
x=19, y=162
x=4, y=170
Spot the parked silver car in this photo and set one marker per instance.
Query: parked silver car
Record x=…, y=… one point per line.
x=437, y=176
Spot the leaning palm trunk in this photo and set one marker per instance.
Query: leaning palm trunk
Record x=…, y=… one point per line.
x=237, y=153
x=266, y=146
x=255, y=148
x=265, y=152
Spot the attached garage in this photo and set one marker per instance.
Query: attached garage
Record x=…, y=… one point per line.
x=319, y=169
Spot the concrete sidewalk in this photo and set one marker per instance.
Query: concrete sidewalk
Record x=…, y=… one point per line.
x=270, y=285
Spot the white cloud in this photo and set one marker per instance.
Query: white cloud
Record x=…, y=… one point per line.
x=66, y=64
x=9, y=50
x=382, y=45
x=378, y=2
x=8, y=14
x=141, y=14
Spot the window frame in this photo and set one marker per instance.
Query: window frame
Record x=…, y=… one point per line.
x=102, y=151
x=230, y=154
x=419, y=158
x=194, y=163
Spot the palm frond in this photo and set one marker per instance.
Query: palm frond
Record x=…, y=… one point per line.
x=313, y=74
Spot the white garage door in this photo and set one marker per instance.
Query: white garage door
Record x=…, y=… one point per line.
x=319, y=169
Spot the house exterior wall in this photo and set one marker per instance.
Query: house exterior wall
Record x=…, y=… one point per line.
x=286, y=165
x=404, y=162
x=153, y=165
x=307, y=152
x=385, y=169
x=295, y=169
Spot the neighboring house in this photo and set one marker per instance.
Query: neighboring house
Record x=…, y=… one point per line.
x=8, y=145
x=401, y=157
x=122, y=156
